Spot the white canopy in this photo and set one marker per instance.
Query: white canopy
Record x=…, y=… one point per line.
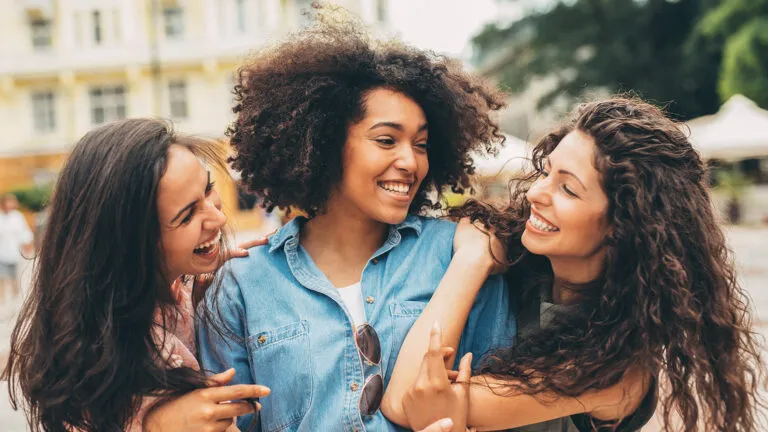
x=511, y=159
x=738, y=131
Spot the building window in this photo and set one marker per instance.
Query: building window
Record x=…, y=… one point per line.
x=107, y=104
x=240, y=15
x=177, y=96
x=41, y=33
x=44, y=111
x=117, y=24
x=97, y=27
x=382, y=7
x=173, y=18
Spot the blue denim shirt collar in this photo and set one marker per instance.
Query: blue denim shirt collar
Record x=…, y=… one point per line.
x=292, y=229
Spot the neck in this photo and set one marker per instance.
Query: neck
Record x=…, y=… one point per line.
x=570, y=274
x=345, y=234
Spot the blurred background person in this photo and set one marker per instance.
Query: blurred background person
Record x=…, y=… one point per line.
x=15, y=241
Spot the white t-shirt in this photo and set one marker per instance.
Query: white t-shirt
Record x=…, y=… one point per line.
x=353, y=298
x=14, y=233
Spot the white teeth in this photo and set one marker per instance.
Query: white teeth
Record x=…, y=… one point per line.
x=540, y=224
x=400, y=188
x=210, y=243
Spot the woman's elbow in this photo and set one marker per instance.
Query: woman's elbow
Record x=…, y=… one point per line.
x=392, y=408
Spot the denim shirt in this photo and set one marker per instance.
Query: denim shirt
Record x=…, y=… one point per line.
x=297, y=336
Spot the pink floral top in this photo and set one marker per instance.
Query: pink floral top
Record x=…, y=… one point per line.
x=178, y=339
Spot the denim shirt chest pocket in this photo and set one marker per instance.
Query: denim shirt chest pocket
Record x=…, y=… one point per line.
x=280, y=360
x=402, y=316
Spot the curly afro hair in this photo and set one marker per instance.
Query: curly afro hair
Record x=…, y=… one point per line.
x=296, y=100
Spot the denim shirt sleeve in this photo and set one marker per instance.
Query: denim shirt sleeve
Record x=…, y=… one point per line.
x=218, y=352
x=491, y=323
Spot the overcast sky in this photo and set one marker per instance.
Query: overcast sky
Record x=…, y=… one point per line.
x=442, y=25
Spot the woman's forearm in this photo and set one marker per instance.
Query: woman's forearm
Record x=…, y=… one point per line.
x=494, y=406
x=449, y=307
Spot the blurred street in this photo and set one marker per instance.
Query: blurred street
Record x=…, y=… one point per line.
x=749, y=244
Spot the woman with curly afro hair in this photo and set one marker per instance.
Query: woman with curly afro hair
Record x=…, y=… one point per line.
x=627, y=292
x=363, y=136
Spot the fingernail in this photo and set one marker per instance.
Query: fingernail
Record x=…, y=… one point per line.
x=446, y=424
x=245, y=251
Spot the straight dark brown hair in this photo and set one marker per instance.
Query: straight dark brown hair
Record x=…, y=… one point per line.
x=85, y=347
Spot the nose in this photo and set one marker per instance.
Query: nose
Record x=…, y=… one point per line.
x=215, y=218
x=406, y=159
x=540, y=192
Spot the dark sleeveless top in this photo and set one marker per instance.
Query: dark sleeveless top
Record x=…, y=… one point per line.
x=531, y=317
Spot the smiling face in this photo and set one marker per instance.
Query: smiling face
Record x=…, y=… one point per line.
x=190, y=216
x=384, y=159
x=568, y=204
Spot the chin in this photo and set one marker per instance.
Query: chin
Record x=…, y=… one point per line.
x=532, y=246
x=392, y=218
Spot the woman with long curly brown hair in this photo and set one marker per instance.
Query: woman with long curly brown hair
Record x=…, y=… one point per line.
x=627, y=294
x=362, y=136
x=104, y=341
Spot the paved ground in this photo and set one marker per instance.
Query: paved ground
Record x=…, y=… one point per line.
x=749, y=244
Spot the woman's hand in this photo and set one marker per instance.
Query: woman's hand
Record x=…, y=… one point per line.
x=432, y=395
x=475, y=242
x=211, y=409
x=242, y=249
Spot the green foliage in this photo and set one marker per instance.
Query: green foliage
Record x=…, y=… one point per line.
x=745, y=63
x=34, y=198
x=742, y=25
x=692, y=54
x=732, y=183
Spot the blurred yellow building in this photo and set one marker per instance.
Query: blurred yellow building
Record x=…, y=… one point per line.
x=69, y=65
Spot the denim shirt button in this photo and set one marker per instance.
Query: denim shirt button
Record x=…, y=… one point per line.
x=354, y=386
x=375, y=261
x=369, y=300
x=261, y=339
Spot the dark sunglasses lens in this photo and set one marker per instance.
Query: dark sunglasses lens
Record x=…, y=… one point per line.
x=368, y=342
x=370, y=398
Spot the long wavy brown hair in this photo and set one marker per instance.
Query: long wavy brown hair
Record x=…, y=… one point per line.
x=668, y=301
x=85, y=348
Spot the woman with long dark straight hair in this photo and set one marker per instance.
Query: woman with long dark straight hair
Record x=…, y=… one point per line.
x=106, y=332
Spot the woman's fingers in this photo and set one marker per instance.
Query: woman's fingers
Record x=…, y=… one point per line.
x=222, y=378
x=261, y=241
x=435, y=356
x=448, y=352
x=236, y=392
x=236, y=409
x=242, y=249
x=465, y=369
x=443, y=425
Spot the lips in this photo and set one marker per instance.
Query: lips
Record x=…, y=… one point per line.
x=396, y=187
x=208, y=246
x=542, y=224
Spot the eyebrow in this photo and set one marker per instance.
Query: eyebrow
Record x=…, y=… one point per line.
x=394, y=125
x=566, y=172
x=192, y=204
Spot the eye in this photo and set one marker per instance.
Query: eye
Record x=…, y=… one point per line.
x=188, y=217
x=569, y=191
x=422, y=146
x=385, y=140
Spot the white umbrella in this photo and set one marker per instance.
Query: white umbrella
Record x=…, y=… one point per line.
x=511, y=159
x=739, y=130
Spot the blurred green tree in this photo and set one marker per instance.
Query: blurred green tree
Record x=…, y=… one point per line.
x=652, y=47
x=742, y=26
